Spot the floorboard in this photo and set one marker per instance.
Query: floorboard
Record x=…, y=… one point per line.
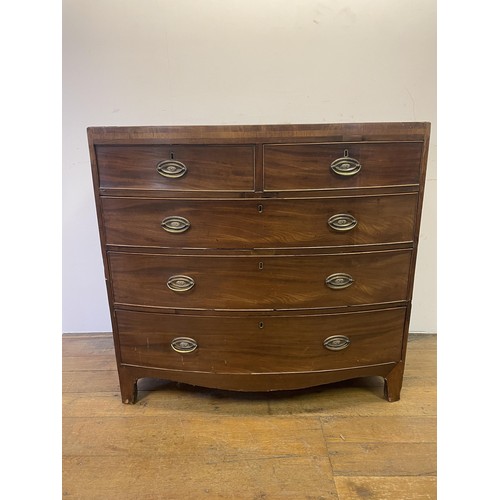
x=340, y=441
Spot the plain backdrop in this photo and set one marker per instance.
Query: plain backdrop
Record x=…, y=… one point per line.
x=202, y=62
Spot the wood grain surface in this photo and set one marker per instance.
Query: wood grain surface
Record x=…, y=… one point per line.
x=307, y=166
x=239, y=344
x=275, y=282
x=212, y=168
x=260, y=223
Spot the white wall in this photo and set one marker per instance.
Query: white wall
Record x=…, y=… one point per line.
x=188, y=62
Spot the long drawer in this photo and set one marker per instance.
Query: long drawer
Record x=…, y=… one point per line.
x=176, y=167
x=238, y=344
x=260, y=282
x=289, y=167
x=259, y=223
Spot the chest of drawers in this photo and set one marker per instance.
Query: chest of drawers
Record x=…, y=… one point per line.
x=259, y=258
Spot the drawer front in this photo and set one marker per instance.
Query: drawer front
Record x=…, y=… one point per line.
x=176, y=168
x=311, y=166
x=260, y=345
x=271, y=282
x=259, y=223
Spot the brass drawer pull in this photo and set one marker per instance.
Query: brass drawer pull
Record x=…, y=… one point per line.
x=184, y=345
x=338, y=281
x=342, y=222
x=180, y=283
x=346, y=165
x=172, y=169
x=336, y=342
x=175, y=224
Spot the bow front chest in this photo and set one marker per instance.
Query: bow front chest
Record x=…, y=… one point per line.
x=259, y=258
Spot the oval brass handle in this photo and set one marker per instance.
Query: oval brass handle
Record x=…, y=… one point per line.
x=184, y=344
x=172, y=169
x=342, y=222
x=180, y=283
x=338, y=281
x=345, y=166
x=336, y=342
x=175, y=224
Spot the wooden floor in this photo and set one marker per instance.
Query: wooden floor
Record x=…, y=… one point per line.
x=341, y=441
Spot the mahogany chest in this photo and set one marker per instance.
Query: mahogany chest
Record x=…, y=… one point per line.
x=259, y=258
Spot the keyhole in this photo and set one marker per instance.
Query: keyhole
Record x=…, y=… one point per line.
x=261, y=324
x=171, y=155
x=346, y=153
x=261, y=265
x=260, y=208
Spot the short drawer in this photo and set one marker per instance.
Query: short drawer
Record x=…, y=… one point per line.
x=176, y=168
x=264, y=223
x=255, y=282
x=221, y=344
x=290, y=167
